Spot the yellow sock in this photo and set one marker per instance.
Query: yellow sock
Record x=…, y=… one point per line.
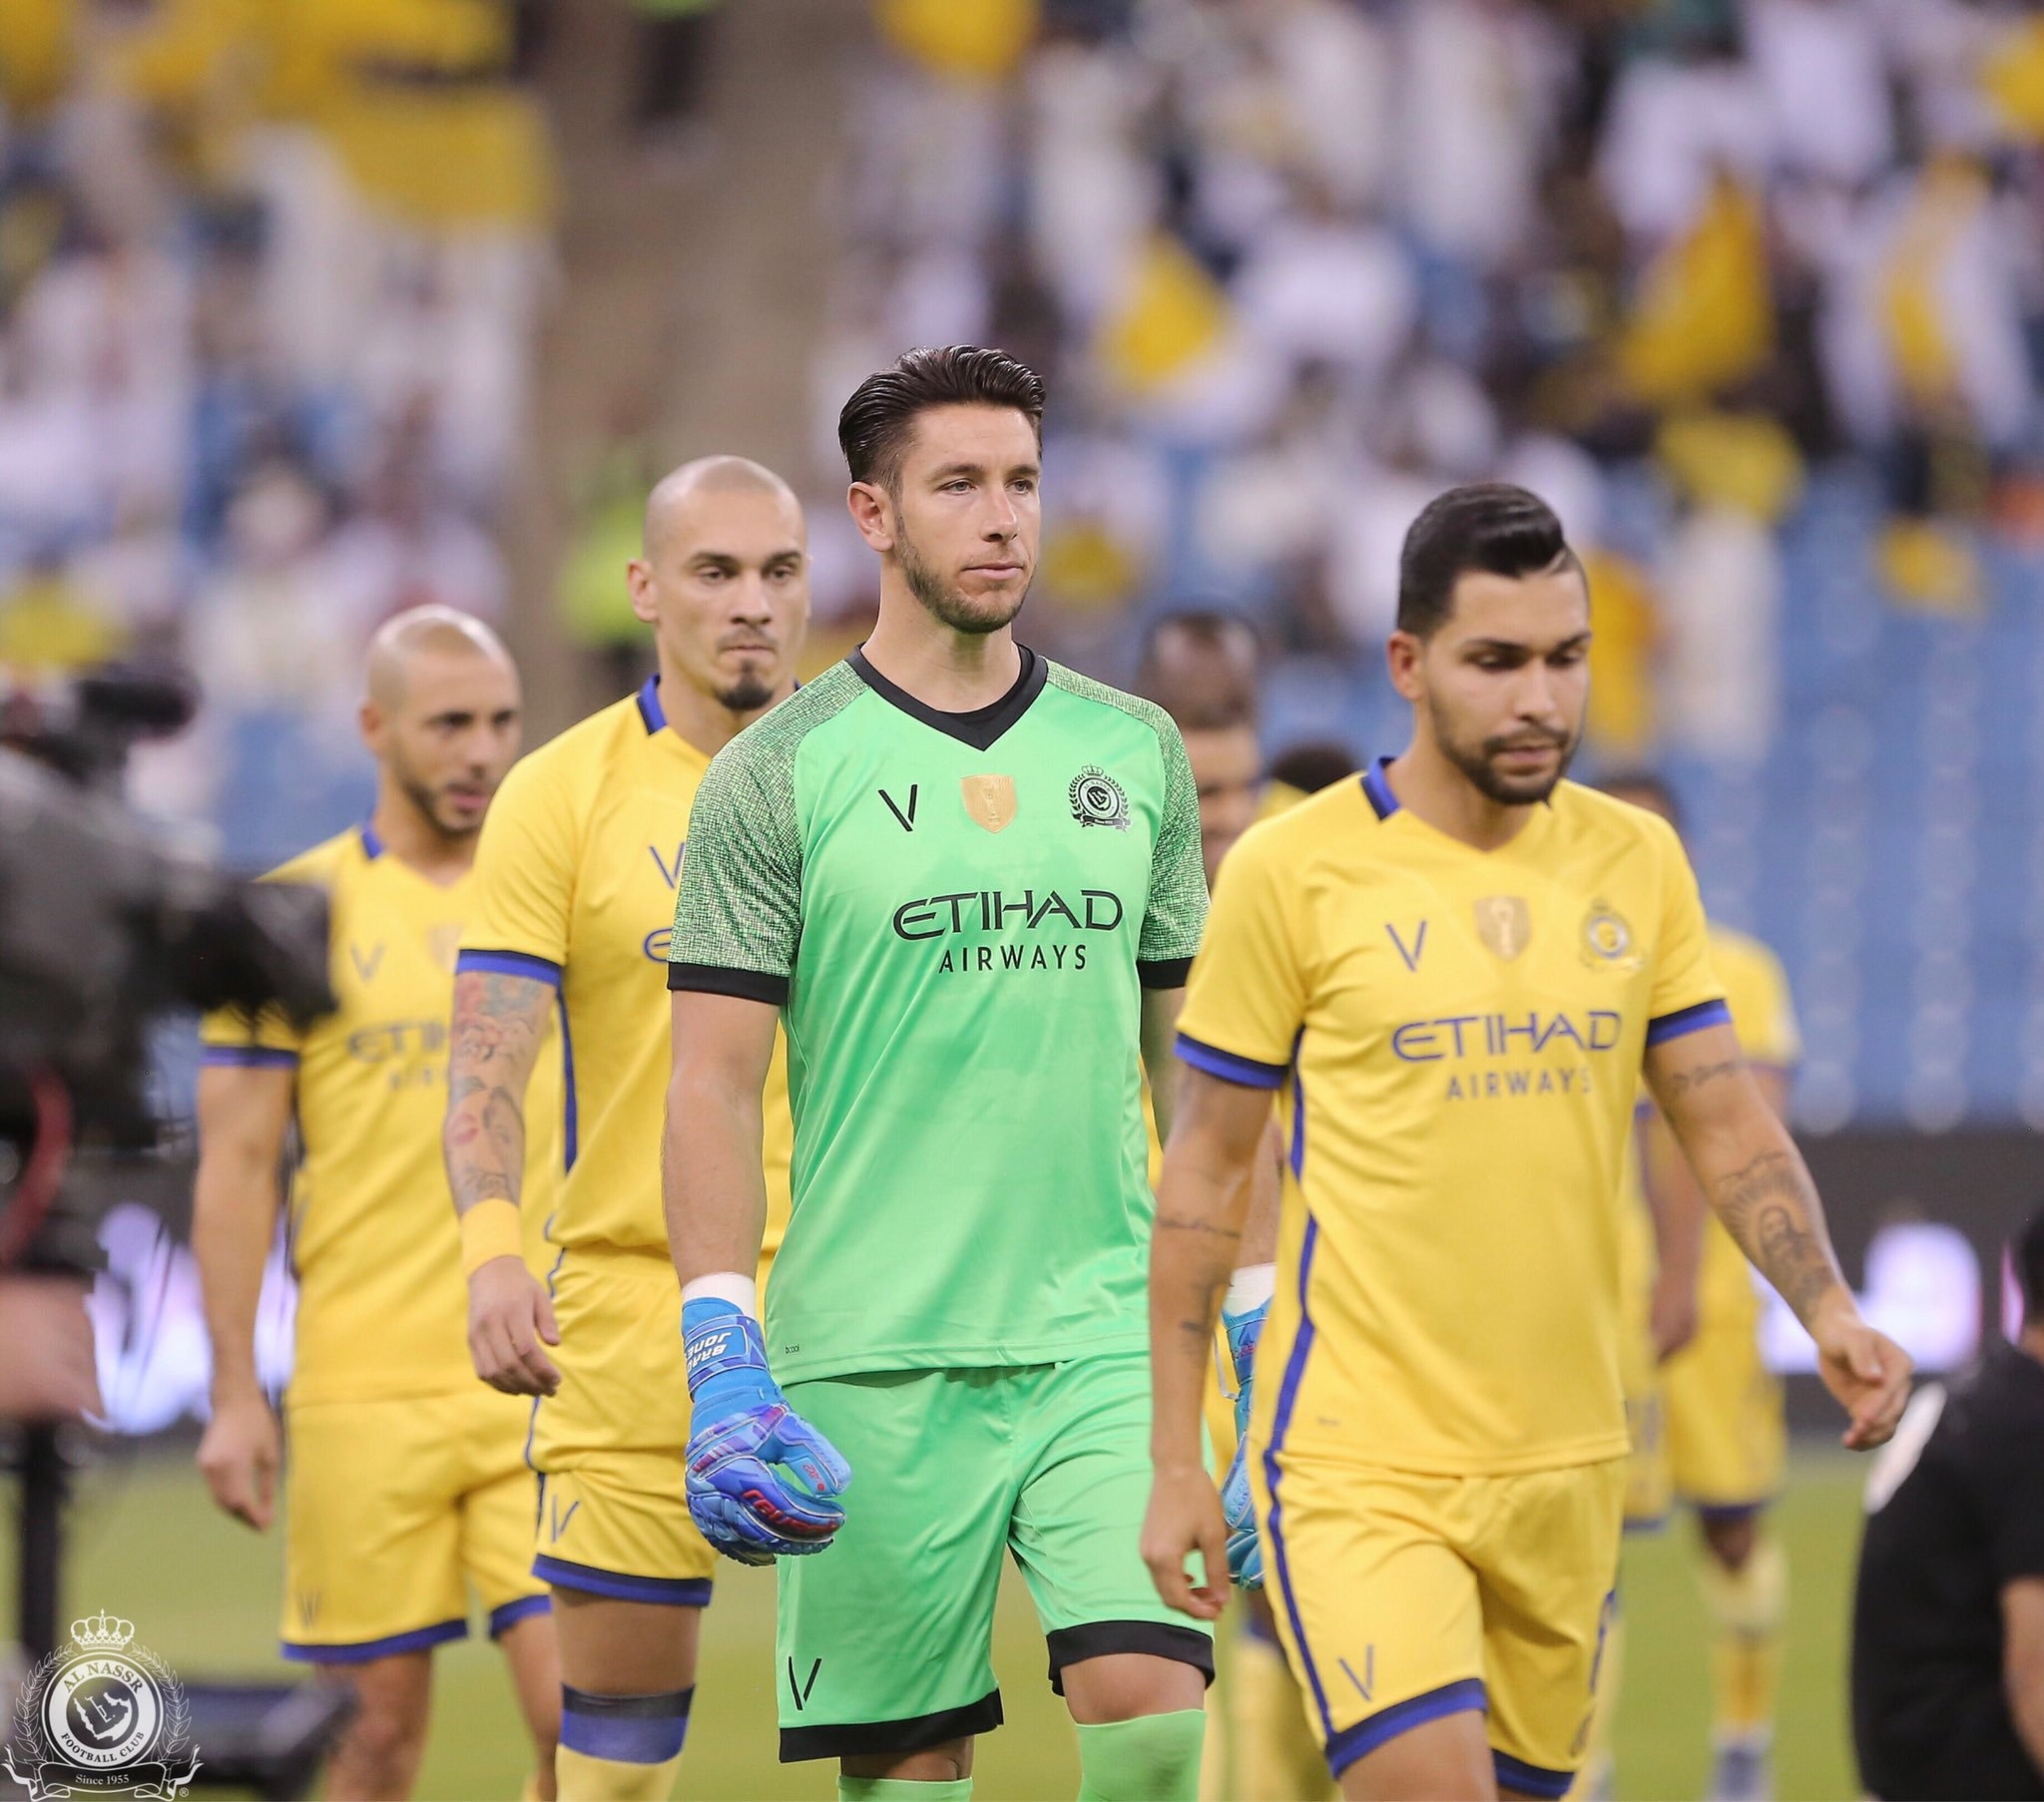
x=529, y=1792
x=585, y=1779
x=1747, y=1607
x=1277, y=1757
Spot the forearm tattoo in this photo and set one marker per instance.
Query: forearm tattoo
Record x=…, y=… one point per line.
x=498, y=1022
x=1770, y=1208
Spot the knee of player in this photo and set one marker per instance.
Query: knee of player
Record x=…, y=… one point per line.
x=388, y=1727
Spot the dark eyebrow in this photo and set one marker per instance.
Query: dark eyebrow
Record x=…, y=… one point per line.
x=1520, y=648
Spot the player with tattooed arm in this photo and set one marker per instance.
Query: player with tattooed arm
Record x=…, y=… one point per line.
x=1455, y=969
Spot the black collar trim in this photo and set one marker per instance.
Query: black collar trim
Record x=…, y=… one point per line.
x=983, y=726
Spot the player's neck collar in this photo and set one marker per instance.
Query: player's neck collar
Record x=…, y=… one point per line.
x=372, y=843
x=982, y=727
x=650, y=708
x=1376, y=787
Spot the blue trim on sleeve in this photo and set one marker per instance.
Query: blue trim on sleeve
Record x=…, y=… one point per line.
x=571, y=1112
x=507, y=1615
x=1531, y=1779
x=1288, y=1398
x=1376, y=787
x=362, y=1651
x=674, y=1591
x=1229, y=1067
x=1688, y=1020
x=249, y=1057
x=509, y=963
x=1297, y=1112
x=650, y=708
x=372, y=846
x=1464, y=1696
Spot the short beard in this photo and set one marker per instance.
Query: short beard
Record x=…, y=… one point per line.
x=947, y=605
x=1483, y=774
x=749, y=694
x=428, y=805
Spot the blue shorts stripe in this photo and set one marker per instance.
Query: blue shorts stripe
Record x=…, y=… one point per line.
x=1530, y=1779
x=1688, y=1020
x=1463, y=1697
x=360, y=1651
x=1287, y=1397
x=673, y=1592
x=507, y=1615
x=1229, y=1067
x=625, y=1730
x=247, y=1056
x=509, y=963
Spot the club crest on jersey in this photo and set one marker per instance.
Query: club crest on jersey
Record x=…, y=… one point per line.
x=1607, y=942
x=1098, y=799
x=989, y=802
x=1504, y=923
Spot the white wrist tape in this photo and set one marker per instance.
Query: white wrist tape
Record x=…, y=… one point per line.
x=742, y=1292
x=1252, y=1286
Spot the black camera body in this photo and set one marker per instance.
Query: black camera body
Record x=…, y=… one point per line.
x=106, y=925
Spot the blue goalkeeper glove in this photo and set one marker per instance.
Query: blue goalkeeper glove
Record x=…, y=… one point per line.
x=1244, y=1550
x=762, y=1483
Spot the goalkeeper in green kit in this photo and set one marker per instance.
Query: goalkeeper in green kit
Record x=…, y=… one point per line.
x=969, y=881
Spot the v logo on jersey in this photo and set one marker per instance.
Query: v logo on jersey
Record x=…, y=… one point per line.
x=1412, y=956
x=366, y=967
x=672, y=877
x=989, y=802
x=894, y=807
x=309, y=1606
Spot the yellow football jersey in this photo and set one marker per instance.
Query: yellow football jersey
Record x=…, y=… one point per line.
x=1459, y=1036
x=382, y=1308
x=578, y=866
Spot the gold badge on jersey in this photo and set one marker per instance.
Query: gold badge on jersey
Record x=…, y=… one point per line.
x=989, y=800
x=1607, y=942
x=1504, y=923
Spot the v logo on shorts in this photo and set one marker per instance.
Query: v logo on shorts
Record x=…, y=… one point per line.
x=801, y=1691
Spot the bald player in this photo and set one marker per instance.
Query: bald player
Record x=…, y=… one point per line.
x=408, y=1488
x=578, y=871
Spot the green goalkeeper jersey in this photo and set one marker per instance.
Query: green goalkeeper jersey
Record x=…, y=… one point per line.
x=956, y=914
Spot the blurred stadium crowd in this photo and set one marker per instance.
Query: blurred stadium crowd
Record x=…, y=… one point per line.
x=1752, y=289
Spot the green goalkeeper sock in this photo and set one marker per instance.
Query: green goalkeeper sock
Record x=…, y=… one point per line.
x=900, y=1789
x=1152, y=1758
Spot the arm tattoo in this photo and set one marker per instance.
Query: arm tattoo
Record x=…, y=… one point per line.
x=498, y=1022
x=1767, y=1205
x=1683, y=1081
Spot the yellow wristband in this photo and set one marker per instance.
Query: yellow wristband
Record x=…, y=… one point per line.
x=490, y=1229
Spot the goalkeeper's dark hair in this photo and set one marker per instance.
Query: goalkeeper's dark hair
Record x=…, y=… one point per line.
x=875, y=425
x=2026, y=1250
x=1489, y=527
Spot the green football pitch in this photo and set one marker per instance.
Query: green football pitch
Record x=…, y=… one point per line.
x=201, y=1593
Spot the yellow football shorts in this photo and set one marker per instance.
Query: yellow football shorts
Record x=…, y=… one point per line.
x=1401, y=1598
x=1708, y=1426
x=613, y=1503
x=1723, y=1411
x=395, y=1509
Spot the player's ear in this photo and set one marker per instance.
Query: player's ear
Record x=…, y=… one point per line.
x=369, y=718
x=638, y=583
x=1401, y=656
x=872, y=512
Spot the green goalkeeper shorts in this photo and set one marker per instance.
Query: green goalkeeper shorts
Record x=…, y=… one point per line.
x=884, y=1640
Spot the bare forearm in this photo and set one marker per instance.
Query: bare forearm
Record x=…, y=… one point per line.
x=1676, y=1203
x=233, y=1219
x=498, y=1024
x=1194, y=1251
x=1160, y=1008
x=712, y=1178
x=1265, y=1201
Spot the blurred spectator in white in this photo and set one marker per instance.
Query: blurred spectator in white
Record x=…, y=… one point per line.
x=1823, y=74
x=1478, y=82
